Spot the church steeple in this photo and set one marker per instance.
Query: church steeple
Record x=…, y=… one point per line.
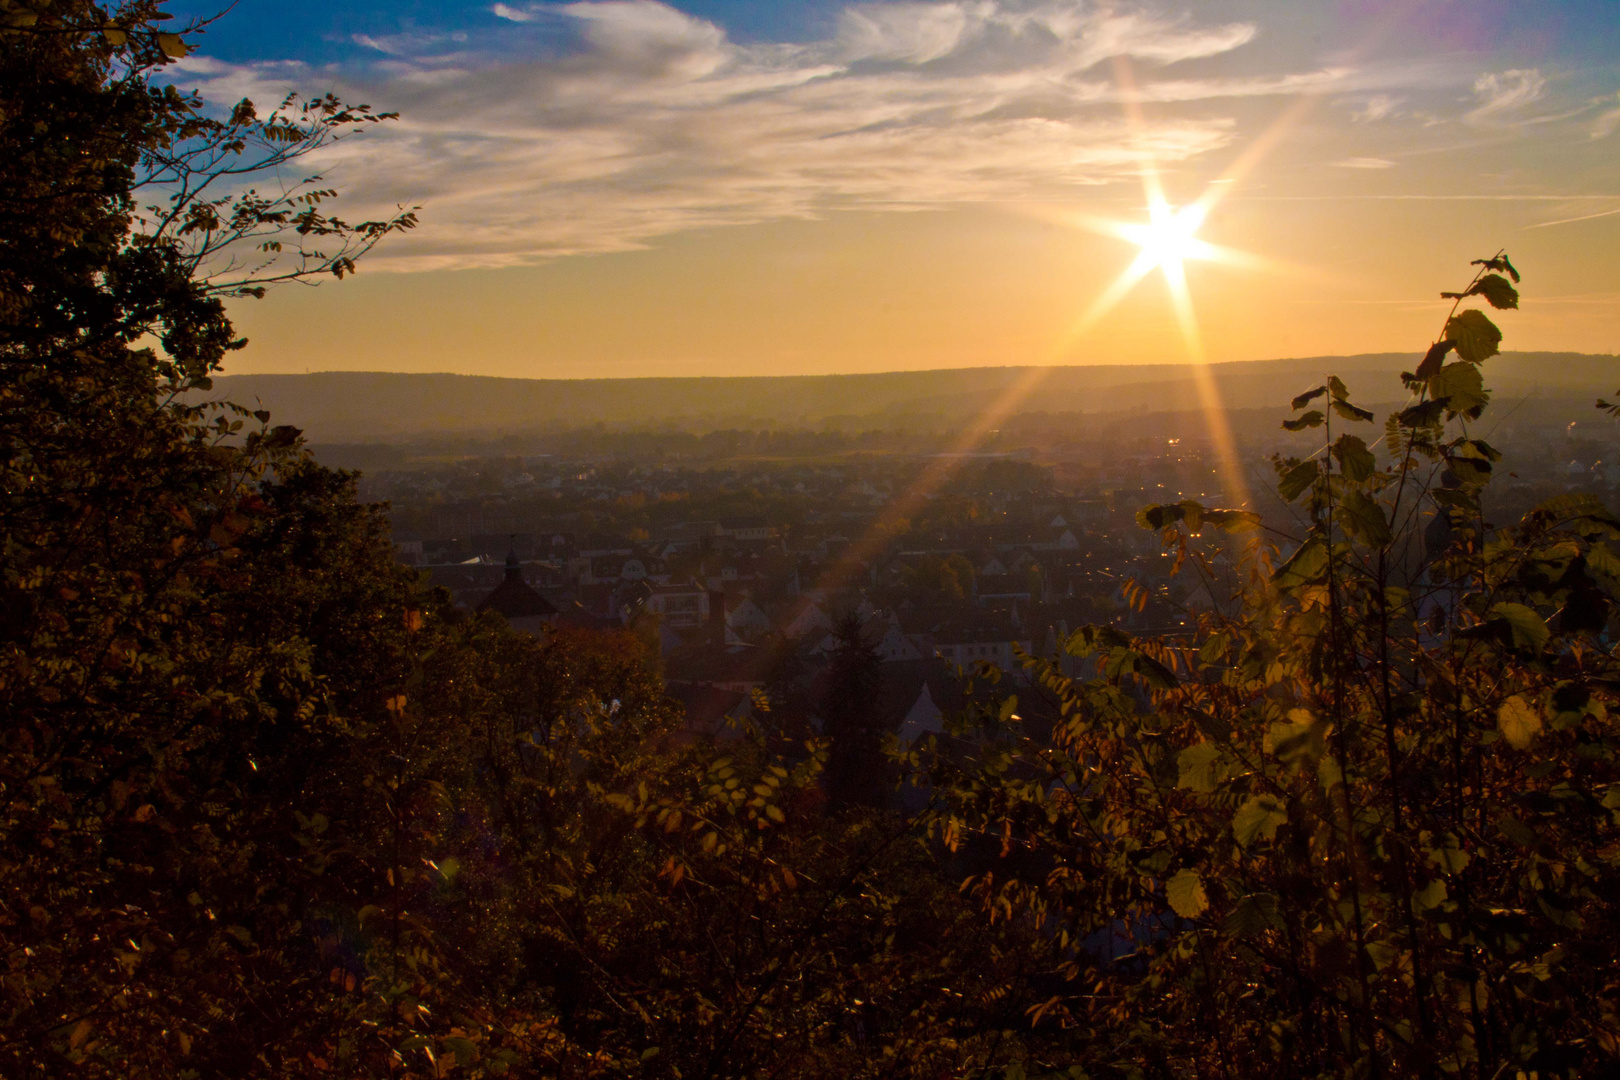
x=522, y=606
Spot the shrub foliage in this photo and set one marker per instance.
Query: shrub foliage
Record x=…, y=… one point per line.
x=1365, y=824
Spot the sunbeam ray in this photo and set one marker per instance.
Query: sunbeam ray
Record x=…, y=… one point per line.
x=1233, y=484
x=934, y=476
x=1168, y=241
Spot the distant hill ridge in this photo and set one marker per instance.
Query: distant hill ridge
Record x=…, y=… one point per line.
x=366, y=406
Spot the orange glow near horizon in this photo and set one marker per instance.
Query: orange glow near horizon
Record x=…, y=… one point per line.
x=1362, y=215
x=1167, y=241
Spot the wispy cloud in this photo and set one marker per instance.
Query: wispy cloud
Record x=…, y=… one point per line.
x=1606, y=124
x=1377, y=107
x=1365, y=163
x=407, y=45
x=1503, y=95
x=911, y=33
x=511, y=14
x=655, y=121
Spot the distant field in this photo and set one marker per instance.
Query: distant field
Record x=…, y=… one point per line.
x=362, y=407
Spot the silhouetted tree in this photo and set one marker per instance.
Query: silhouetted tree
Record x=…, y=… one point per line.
x=851, y=712
x=268, y=808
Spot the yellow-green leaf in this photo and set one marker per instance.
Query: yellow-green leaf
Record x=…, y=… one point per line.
x=1253, y=914
x=1307, y=397
x=1460, y=386
x=1185, y=891
x=1303, y=565
x=1497, y=292
x=1297, y=480
x=1449, y=857
x=1603, y=564
x=1476, y=338
x=1515, y=830
x=1197, y=767
x=1519, y=721
x=1301, y=735
x=1364, y=518
x=1529, y=629
x=1233, y=521
x=1354, y=458
x=1258, y=819
x=1432, y=360
x=1431, y=895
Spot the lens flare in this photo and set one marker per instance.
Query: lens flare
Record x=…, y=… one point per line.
x=1167, y=241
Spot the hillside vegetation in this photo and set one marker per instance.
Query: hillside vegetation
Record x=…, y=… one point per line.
x=269, y=807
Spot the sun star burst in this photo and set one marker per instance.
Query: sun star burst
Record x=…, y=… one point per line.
x=1170, y=235
x=1166, y=242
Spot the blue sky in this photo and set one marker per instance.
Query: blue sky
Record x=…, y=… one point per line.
x=324, y=32
x=538, y=129
x=1576, y=31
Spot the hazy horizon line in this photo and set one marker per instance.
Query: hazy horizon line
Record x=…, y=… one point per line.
x=871, y=374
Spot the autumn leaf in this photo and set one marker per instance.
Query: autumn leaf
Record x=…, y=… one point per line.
x=1196, y=767
x=1528, y=629
x=1460, y=386
x=1258, y=819
x=1254, y=914
x=1297, y=480
x=1432, y=360
x=1351, y=412
x=173, y=47
x=1497, y=292
x=1364, y=518
x=1476, y=337
x=1307, y=397
x=1185, y=891
x=1354, y=458
x=1519, y=721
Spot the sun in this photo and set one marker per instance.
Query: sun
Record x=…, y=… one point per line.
x=1169, y=237
x=1166, y=242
